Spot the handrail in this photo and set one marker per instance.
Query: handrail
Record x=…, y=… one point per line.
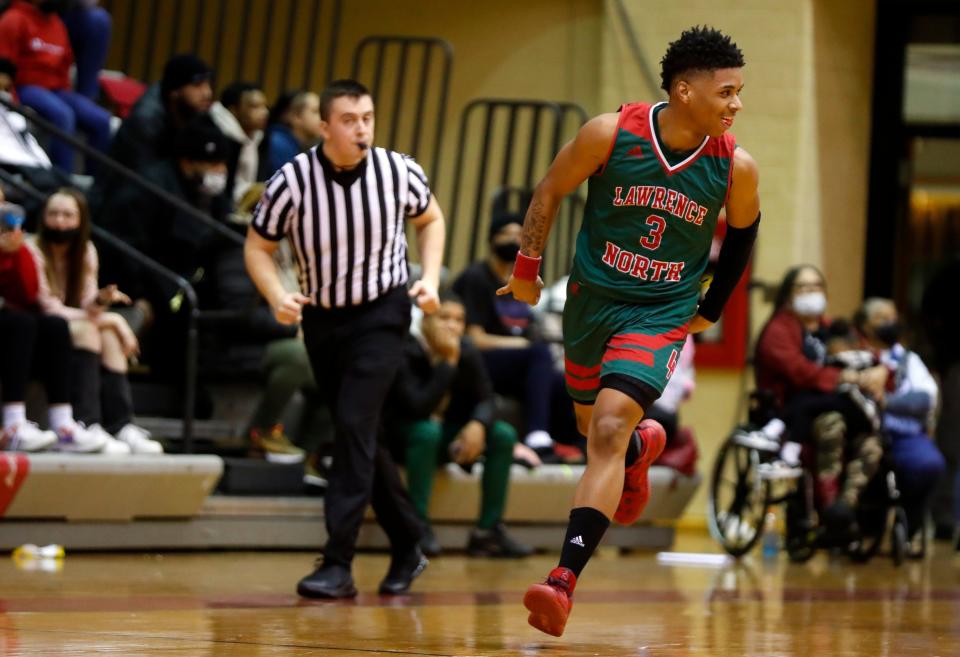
x=189, y=295
x=179, y=204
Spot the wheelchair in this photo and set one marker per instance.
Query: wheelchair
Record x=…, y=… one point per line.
x=748, y=478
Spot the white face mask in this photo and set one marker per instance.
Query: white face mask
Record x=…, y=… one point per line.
x=810, y=304
x=214, y=182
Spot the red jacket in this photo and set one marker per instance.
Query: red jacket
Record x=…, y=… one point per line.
x=781, y=366
x=18, y=278
x=38, y=44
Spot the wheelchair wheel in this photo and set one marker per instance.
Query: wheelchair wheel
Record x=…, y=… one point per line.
x=898, y=536
x=738, y=499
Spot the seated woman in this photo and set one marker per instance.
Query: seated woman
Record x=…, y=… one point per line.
x=442, y=407
x=814, y=399
x=102, y=340
x=909, y=407
x=38, y=346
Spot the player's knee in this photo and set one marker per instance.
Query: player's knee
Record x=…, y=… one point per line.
x=502, y=437
x=426, y=434
x=608, y=436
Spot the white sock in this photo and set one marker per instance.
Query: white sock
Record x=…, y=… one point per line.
x=537, y=439
x=60, y=416
x=14, y=413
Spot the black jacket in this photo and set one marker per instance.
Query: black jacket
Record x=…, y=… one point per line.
x=420, y=386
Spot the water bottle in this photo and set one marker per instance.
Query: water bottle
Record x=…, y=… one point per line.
x=771, y=536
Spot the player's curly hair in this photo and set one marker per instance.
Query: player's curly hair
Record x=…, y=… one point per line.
x=699, y=48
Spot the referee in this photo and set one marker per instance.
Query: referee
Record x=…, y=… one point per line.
x=343, y=206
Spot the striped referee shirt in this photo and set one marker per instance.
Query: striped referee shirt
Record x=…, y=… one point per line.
x=346, y=227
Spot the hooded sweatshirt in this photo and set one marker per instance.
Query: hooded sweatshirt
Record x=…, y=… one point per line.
x=249, y=162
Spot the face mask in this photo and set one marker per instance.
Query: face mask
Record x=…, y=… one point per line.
x=55, y=236
x=888, y=333
x=506, y=251
x=213, y=183
x=810, y=304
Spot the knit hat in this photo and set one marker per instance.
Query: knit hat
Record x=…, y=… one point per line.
x=181, y=70
x=201, y=140
x=500, y=221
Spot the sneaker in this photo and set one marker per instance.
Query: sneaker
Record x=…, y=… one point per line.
x=275, y=446
x=756, y=440
x=550, y=603
x=313, y=477
x=777, y=470
x=26, y=436
x=496, y=542
x=76, y=438
x=636, y=487
x=111, y=446
x=139, y=440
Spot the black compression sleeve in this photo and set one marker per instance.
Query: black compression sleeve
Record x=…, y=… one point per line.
x=734, y=256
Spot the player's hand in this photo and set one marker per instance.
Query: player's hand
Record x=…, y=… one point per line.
x=469, y=443
x=289, y=309
x=526, y=291
x=426, y=296
x=698, y=324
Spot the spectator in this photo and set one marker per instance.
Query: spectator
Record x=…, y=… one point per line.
x=150, y=133
x=103, y=341
x=443, y=407
x=241, y=114
x=940, y=319
x=520, y=367
x=19, y=151
x=35, y=39
x=35, y=344
x=196, y=174
x=814, y=404
x=908, y=411
x=294, y=126
x=89, y=26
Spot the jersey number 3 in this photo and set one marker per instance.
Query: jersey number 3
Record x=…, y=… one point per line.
x=652, y=241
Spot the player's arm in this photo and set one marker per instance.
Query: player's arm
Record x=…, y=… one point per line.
x=743, y=219
x=576, y=161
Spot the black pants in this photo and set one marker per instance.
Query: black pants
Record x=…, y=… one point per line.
x=99, y=396
x=34, y=346
x=355, y=354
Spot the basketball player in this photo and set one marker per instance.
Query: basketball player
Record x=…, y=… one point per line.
x=658, y=177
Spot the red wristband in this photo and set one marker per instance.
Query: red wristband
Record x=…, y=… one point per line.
x=526, y=268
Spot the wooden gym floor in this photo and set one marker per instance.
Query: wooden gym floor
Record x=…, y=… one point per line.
x=242, y=604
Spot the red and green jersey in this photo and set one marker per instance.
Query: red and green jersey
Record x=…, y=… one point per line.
x=650, y=213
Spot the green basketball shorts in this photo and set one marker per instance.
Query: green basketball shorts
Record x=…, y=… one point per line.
x=603, y=336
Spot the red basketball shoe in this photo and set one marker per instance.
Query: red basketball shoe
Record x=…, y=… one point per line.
x=550, y=603
x=636, y=488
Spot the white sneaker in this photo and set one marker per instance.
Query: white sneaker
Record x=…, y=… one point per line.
x=78, y=439
x=112, y=447
x=139, y=440
x=756, y=440
x=26, y=436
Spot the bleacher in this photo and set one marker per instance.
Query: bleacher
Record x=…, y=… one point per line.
x=218, y=499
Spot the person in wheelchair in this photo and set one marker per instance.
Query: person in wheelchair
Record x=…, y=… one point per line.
x=824, y=406
x=908, y=411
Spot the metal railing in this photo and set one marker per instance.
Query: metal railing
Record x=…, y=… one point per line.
x=435, y=63
x=517, y=139
x=189, y=296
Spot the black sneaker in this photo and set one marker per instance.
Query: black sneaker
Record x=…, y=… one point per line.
x=429, y=544
x=496, y=543
x=328, y=581
x=403, y=570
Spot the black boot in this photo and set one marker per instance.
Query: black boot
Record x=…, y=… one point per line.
x=496, y=542
x=404, y=568
x=328, y=581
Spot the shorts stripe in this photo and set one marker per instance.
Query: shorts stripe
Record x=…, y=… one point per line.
x=583, y=384
x=625, y=353
x=580, y=370
x=652, y=342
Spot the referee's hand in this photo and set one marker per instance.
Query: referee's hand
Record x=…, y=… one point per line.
x=426, y=296
x=288, y=309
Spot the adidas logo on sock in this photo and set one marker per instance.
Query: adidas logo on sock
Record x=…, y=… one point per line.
x=577, y=540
